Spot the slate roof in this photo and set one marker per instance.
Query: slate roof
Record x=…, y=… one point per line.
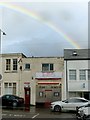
x=76, y=54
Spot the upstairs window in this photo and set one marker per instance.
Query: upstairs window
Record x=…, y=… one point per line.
x=47, y=67
x=89, y=74
x=72, y=74
x=82, y=74
x=14, y=64
x=27, y=66
x=8, y=64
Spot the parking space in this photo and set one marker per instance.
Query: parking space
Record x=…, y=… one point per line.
x=36, y=113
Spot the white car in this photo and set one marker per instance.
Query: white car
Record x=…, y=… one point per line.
x=68, y=104
x=83, y=113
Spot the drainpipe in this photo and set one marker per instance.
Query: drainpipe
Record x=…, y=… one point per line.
x=67, y=95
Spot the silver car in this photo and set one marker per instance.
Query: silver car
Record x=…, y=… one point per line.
x=83, y=113
x=68, y=104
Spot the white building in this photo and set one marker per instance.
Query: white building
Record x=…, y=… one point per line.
x=44, y=75
x=77, y=72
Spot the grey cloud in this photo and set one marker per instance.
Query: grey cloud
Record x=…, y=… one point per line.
x=37, y=49
x=33, y=37
x=65, y=15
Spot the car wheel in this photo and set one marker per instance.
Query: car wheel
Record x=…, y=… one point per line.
x=57, y=108
x=14, y=104
x=84, y=117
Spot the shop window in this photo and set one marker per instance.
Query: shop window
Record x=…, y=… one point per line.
x=41, y=86
x=40, y=94
x=52, y=87
x=56, y=94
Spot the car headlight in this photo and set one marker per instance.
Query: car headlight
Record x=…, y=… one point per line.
x=80, y=111
x=52, y=103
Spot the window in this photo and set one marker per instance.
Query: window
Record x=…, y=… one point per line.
x=14, y=64
x=41, y=86
x=47, y=67
x=40, y=94
x=56, y=94
x=71, y=100
x=8, y=64
x=27, y=66
x=0, y=88
x=89, y=74
x=72, y=74
x=80, y=100
x=10, y=88
x=82, y=74
x=54, y=86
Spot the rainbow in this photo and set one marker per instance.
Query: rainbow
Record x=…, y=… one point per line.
x=21, y=9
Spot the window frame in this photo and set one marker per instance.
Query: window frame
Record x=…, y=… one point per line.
x=26, y=68
x=72, y=76
x=47, y=67
x=82, y=76
x=41, y=92
x=8, y=65
x=56, y=94
x=13, y=86
x=88, y=72
x=15, y=65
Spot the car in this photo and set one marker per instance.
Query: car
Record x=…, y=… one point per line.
x=9, y=100
x=68, y=104
x=83, y=112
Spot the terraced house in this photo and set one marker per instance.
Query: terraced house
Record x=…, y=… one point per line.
x=44, y=76
x=77, y=72
x=49, y=78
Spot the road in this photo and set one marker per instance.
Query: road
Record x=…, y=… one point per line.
x=36, y=113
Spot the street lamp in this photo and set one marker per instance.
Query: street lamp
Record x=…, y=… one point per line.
x=1, y=33
x=0, y=37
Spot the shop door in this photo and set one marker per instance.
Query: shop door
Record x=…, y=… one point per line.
x=48, y=95
x=48, y=98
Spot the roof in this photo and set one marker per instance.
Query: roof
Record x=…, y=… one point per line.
x=76, y=54
x=13, y=54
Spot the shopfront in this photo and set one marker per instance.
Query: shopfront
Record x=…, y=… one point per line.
x=48, y=87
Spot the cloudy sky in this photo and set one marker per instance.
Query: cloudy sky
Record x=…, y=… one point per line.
x=43, y=28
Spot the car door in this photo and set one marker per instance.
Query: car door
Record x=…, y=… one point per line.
x=80, y=102
x=11, y=100
x=5, y=100
x=69, y=104
x=72, y=103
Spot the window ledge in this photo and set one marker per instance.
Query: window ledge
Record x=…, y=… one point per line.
x=48, y=71
x=10, y=71
x=27, y=69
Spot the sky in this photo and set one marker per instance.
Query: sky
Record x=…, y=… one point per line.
x=43, y=28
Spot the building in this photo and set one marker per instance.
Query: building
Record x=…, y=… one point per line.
x=44, y=76
x=77, y=72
